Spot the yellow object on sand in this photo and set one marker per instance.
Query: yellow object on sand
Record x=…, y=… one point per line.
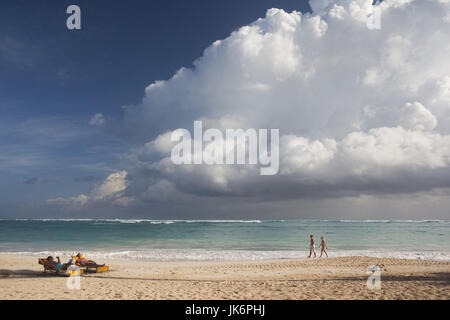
x=102, y=269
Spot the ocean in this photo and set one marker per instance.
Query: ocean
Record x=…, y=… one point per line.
x=166, y=240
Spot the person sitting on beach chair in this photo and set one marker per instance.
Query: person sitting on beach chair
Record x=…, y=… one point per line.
x=83, y=262
x=51, y=264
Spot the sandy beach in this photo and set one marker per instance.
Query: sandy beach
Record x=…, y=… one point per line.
x=333, y=278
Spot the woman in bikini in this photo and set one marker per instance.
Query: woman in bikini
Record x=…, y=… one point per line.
x=312, y=247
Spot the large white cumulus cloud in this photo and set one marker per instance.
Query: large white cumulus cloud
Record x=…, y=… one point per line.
x=111, y=190
x=359, y=110
x=309, y=74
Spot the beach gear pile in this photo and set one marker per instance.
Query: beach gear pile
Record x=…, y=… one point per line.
x=77, y=265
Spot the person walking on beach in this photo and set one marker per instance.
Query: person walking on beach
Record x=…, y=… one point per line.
x=323, y=247
x=312, y=247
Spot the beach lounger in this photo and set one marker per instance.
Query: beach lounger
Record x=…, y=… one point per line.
x=42, y=262
x=93, y=269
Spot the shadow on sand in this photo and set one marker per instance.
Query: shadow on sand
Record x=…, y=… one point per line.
x=8, y=274
x=439, y=278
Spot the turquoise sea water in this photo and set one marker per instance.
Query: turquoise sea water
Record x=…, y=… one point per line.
x=225, y=239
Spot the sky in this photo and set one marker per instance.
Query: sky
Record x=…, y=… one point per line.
x=86, y=115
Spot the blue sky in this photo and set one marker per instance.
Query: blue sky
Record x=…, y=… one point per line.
x=363, y=109
x=52, y=80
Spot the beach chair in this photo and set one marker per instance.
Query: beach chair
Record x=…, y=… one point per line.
x=42, y=261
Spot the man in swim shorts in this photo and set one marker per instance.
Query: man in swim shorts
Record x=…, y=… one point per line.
x=312, y=247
